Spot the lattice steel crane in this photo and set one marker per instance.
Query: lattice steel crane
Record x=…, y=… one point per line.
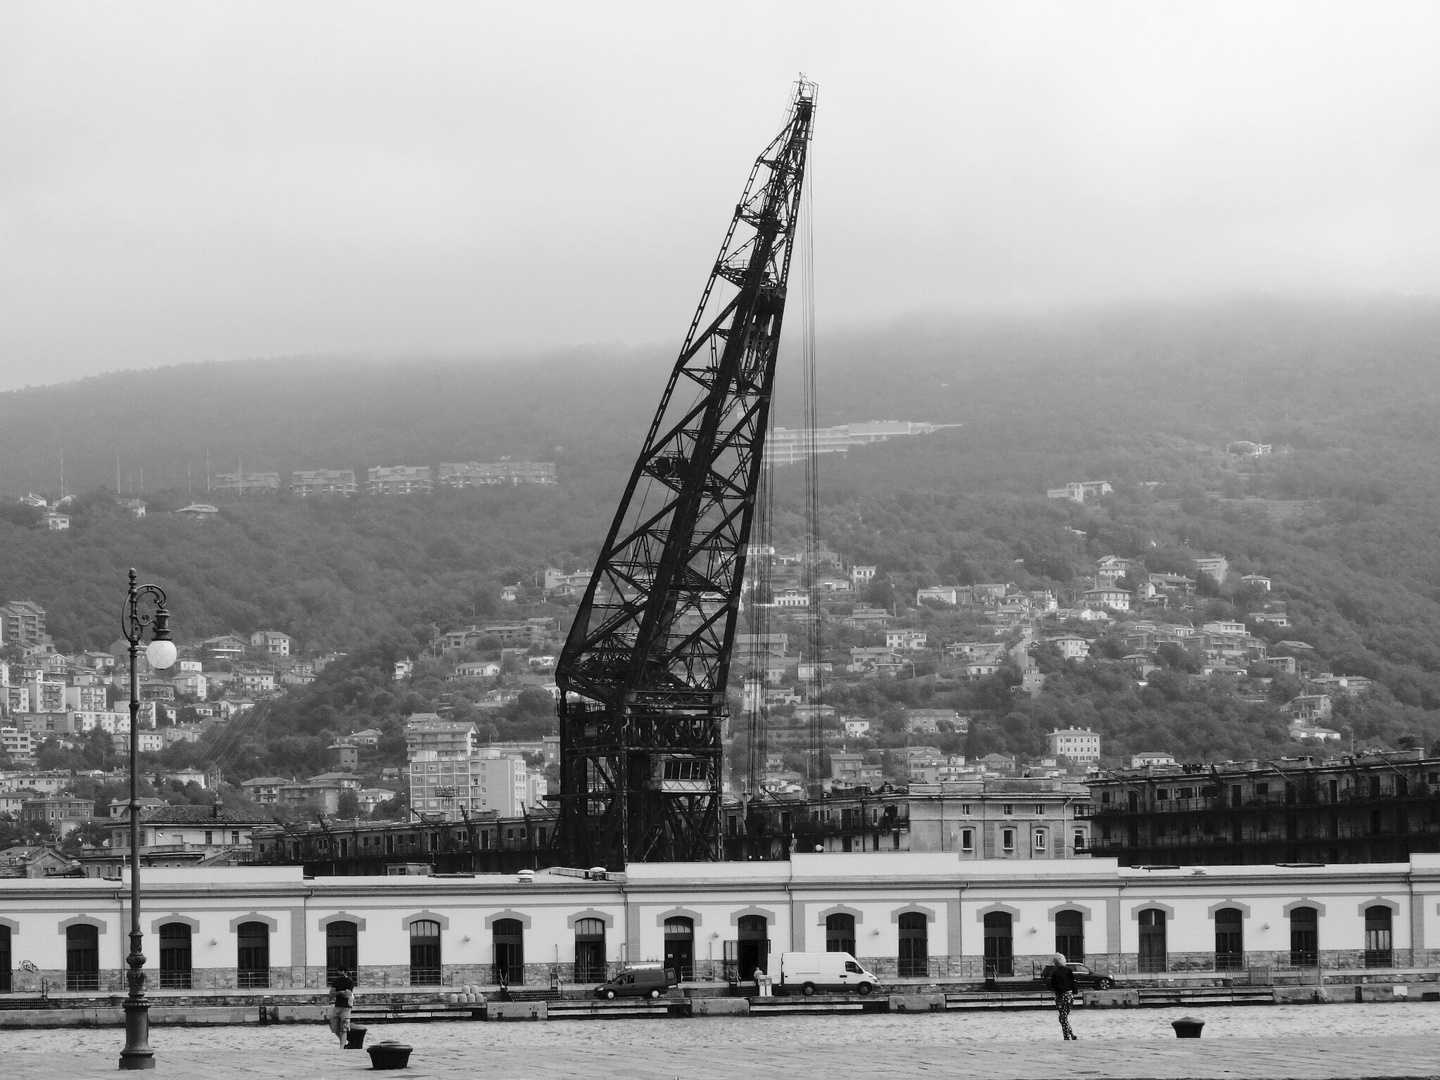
x=643, y=673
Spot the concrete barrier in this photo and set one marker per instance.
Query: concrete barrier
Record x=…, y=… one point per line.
x=719, y=1006
x=297, y=1014
x=1302, y=995
x=201, y=1016
x=1111, y=999
x=1375, y=992
x=917, y=1002
x=517, y=1010
x=1416, y=991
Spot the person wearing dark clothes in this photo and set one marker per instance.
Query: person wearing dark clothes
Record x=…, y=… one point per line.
x=1062, y=982
x=344, y=1001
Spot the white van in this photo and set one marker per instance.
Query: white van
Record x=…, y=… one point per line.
x=808, y=972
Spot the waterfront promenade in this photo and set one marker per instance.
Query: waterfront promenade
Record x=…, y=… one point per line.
x=1025, y=1047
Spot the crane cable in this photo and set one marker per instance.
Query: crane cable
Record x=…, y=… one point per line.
x=814, y=634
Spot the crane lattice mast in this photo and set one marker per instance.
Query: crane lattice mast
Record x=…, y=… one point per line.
x=643, y=673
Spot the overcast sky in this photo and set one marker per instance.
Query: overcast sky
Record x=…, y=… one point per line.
x=189, y=181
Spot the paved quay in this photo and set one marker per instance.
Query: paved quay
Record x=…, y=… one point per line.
x=493, y=1051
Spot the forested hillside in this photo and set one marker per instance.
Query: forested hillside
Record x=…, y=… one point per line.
x=1343, y=516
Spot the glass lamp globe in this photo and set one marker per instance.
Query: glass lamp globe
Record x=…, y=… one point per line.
x=160, y=654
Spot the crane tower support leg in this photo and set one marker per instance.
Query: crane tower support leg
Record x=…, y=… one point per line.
x=643, y=673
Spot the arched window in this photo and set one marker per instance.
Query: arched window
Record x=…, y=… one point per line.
x=252, y=967
x=82, y=958
x=680, y=947
x=589, y=950
x=342, y=950
x=424, y=952
x=1070, y=935
x=1304, y=937
x=840, y=933
x=4, y=960
x=914, y=946
x=1152, y=940
x=752, y=945
x=174, y=956
x=999, y=950
x=508, y=938
x=1229, y=939
x=1378, y=938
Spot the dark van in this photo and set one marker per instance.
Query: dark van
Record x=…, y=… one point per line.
x=649, y=982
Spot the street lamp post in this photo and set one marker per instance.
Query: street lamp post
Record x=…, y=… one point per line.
x=159, y=654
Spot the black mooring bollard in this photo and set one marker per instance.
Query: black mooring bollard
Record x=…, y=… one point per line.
x=389, y=1055
x=1187, y=1027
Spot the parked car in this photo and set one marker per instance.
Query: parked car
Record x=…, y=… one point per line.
x=1085, y=979
x=1039, y=979
x=649, y=982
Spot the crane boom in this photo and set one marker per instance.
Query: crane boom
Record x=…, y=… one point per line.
x=642, y=676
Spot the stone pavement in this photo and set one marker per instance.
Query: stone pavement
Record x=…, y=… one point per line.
x=442, y=1051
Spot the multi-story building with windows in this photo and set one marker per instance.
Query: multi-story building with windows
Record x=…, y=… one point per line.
x=1377, y=807
x=450, y=787
x=22, y=622
x=90, y=698
x=399, y=480
x=308, y=482
x=1019, y=819
x=176, y=835
x=789, y=445
x=272, y=642
x=62, y=814
x=1078, y=744
x=46, y=695
x=472, y=474
x=429, y=733
x=252, y=483
x=15, y=743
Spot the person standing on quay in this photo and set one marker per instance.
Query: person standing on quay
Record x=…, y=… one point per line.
x=344, y=1001
x=1062, y=981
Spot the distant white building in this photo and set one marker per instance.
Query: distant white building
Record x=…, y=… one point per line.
x=271, y=642
x=905, y=639
x=1071, y=647
x=1151, y=757
x=486, y=780
x=787, y=446
x=1078, y=744
x=1079, y=490
x=1104, y=597
x=939, y=594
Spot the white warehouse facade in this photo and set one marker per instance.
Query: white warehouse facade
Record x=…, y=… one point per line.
x=907, y=916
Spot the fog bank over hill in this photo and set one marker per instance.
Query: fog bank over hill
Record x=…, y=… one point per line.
x=1237, y=364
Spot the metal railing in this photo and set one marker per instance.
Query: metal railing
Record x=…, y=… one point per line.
x=913, y=967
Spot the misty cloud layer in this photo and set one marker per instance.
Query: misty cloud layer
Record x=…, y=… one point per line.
x=192, y=182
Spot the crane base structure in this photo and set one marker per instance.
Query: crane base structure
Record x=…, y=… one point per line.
x=643, y=673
